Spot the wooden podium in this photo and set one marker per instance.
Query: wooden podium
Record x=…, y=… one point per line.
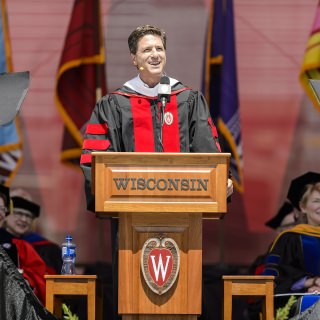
x=160, y=196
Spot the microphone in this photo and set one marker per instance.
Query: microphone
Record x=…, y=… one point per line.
x=164, y=91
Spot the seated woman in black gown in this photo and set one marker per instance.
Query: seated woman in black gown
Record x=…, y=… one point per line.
x=294, y=257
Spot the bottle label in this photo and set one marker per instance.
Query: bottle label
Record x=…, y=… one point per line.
x=67, y=251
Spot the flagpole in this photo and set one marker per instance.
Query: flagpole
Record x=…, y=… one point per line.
x=98, y=87
x=101, y=53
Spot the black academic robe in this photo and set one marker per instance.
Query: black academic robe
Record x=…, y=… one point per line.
x=17, y=299
x=126, y=121
x=294, y=254
x=7, y=244
x=26, y=259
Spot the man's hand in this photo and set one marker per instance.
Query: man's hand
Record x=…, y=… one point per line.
x=229, y=188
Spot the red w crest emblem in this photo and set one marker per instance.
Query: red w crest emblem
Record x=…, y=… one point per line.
x=160, y=262
x=160, y=265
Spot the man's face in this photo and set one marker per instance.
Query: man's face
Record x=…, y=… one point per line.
x=19, y=222
x=151, y=56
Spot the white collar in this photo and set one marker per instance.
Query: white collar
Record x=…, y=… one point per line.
x=139, y=86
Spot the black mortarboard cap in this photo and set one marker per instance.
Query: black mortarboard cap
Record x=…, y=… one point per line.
x=21, y=203
x=298, y=187
x=275, y=222
x=5, y=193
x=13, y=89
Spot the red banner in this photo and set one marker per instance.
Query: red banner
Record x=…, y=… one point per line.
x=81, y=75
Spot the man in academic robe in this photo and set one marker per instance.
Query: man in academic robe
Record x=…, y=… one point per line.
x=132, y=119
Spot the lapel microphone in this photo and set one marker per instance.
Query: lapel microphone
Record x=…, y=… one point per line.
x=164, y=91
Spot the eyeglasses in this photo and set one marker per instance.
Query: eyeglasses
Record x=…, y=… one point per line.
x=21, y=214
x=3, y=209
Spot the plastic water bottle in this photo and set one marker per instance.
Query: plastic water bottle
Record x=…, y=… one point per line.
x=68, y=256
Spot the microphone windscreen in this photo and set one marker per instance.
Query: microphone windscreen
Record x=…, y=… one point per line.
x=164, y=89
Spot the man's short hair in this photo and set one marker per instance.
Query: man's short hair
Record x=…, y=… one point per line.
x=140, y=32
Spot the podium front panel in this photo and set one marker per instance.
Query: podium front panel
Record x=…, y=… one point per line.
x=184, y=297
x=161, y=182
